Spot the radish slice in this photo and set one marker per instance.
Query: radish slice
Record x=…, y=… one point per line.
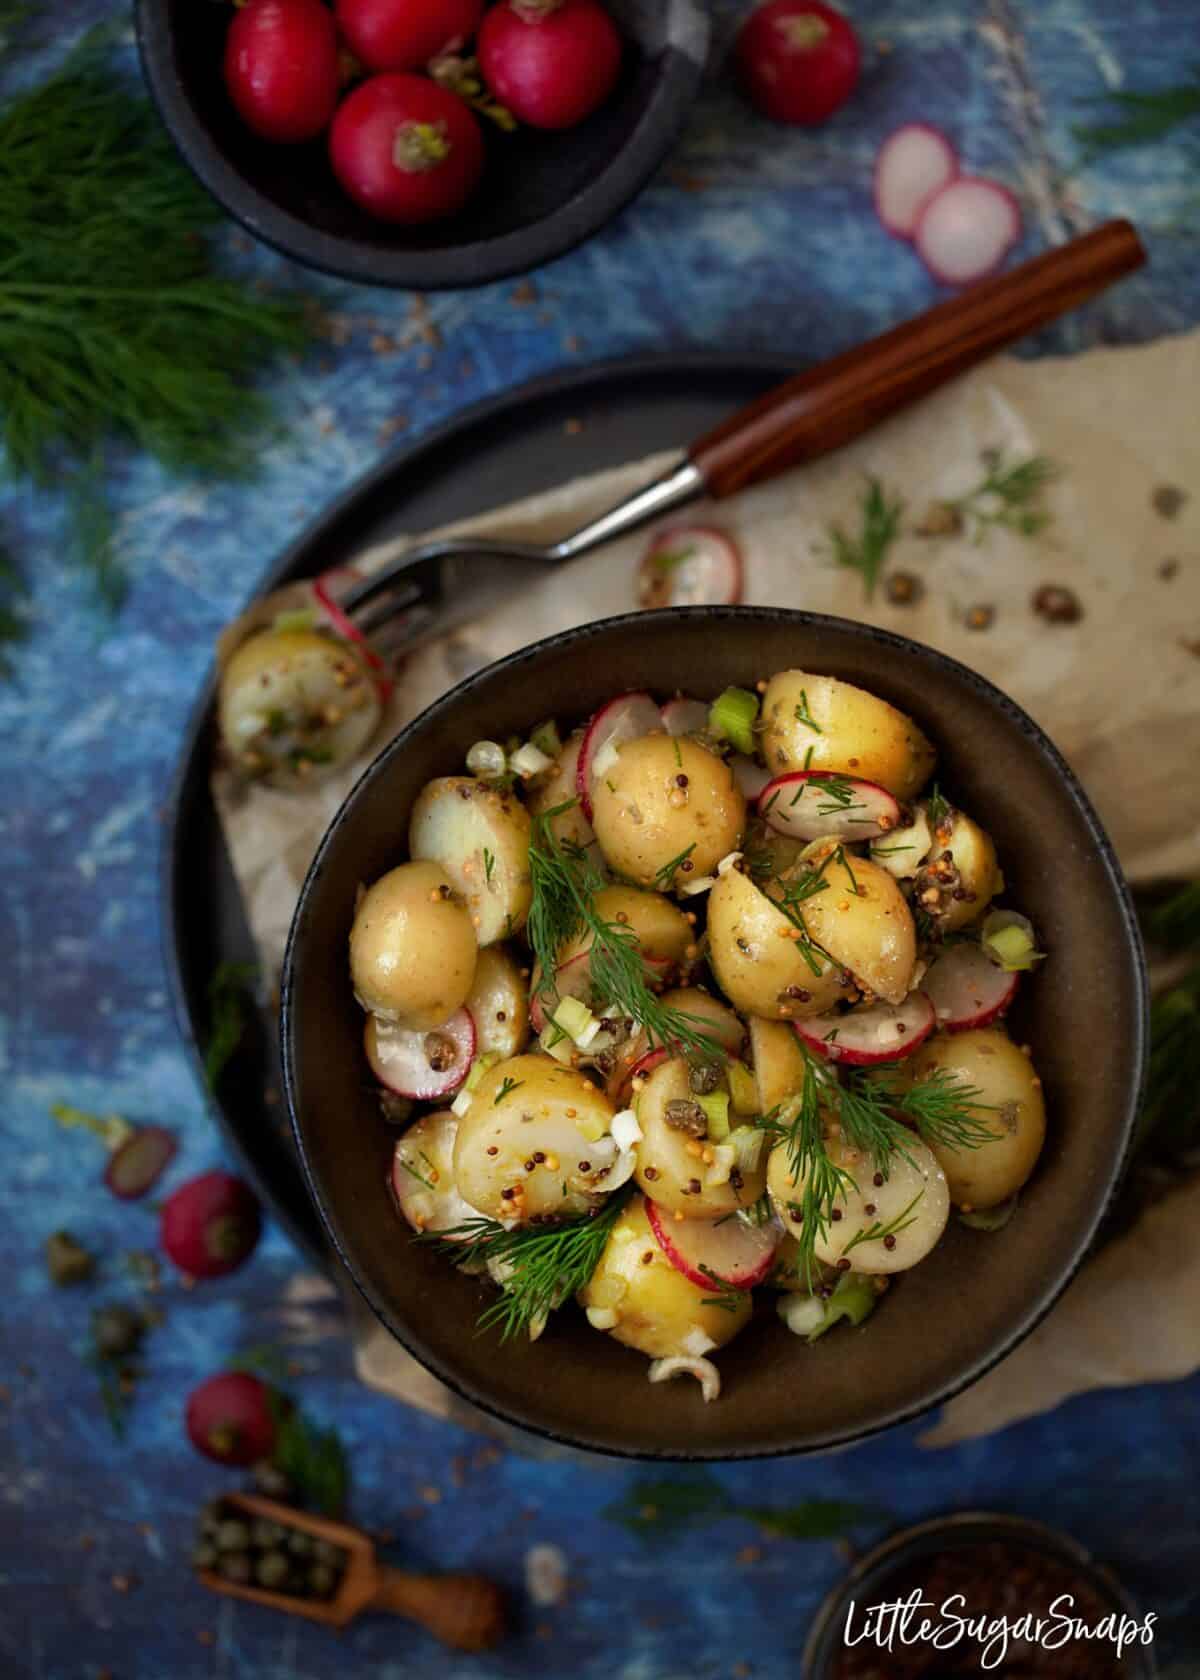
x=711, y=1251
x=404, y=1061
x=750, y=777
x=136, y=1165
x=684, y=717
x=690, y=566
x=913, y=163
x=967, y=229
x=819, y=804
x=645, y=1064
x=882, y=1032
x=626, y=718
x=966, y=988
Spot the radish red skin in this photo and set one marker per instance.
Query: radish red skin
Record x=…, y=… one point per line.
x=406, y=34
x=281, y=68
x=405, y=149
x=230, y=1419
x=552, y=65
x=211, y=1225
x=797, y=60
x=665, y=1233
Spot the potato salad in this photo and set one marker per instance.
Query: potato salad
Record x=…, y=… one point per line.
x=696, y=1007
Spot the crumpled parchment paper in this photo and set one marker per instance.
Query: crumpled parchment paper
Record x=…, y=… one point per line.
x=1119, y=692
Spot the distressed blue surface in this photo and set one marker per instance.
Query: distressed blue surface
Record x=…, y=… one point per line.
x=750, y=236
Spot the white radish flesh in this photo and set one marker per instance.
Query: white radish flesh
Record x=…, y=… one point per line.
x=626, y=718
x=819, y=805
x=684, y=717
x=913, y=163
x=421, y=1065
x=690, y=566
x=727, y=1251
x=967, y=229
x=423, y=1175
x=966, y=988
x=904, y=850
x=882, y=1032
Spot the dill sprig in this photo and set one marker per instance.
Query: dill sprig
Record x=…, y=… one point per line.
x=543, y=1265
x=878, y=1230
x=1139, y=117
x=944, y=1110
x=1008, y=494
x=866, y=550
x=664, y=878
x=114, y=326
x=804, y=716
x=657, y=1508
x=229, y=1008
x=728, y=1296
x=798, y=1125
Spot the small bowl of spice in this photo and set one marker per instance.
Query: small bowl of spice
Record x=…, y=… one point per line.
x=423, y=146
x=980, y=1592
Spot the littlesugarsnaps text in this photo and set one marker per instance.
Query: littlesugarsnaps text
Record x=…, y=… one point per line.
x=915, y=1620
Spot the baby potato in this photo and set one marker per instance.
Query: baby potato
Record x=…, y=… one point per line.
x=716, y=1019
x=962, y=870
x=670, y=1172
x=499, y=1004
x=423, y=1175
x=480, y=836
x=663, y=795
x=913, y=1199
x=412, y=948
x=295, y=706
x=778, y=1062
x=659, y=1312
x=663, y=931
x=1011, y=1104
x=753, y=951
x=772, y=853
x=850, y=730
x=863, y=920
x=558, y=788
x=533, y=1126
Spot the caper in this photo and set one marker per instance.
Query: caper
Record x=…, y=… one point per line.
x=204, y=1556
x=267, y=1534
x=271, y=1570
x=235, y=1566
x=324, y=1551
x=233, y=1535
x=116, y=1331
x=299, y=1543
x=67, y=1261
x=322, y=1580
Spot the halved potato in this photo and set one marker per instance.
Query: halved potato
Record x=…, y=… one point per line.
x=412, y=948
x=672, y=1167
x=913, y=1200
x=821, y=723
x=559, y=789
x=663, y=931
x=658, y=1311
x=423, y=1175
x=778, y=1062
x=660, y=796
x=961, y=875
x=863, y=920
x=480, y=836
x=295, y=706
x=718, y=1020
x=1010, y=1103
x=754, y=952
x=531, y=1142
x=499, y=1004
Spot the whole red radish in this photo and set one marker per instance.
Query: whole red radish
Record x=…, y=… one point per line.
x=282, y=69
x=230, y=1418
x=797, y=60
x=211, y=1224
x=551, y=62
x=406, y=34
x=405, y=149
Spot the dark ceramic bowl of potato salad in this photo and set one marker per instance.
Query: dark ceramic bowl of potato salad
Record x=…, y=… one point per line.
x=714, y=1032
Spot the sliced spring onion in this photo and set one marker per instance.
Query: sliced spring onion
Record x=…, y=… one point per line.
x=854, y=1298
x=743, y=1088
x=626, y=1132
x=746, y=1143
x=1008, y=939
x=803, y=1314
x=487, y=758
x=702, y=884
x=577, y=1021
x=704, y=1371
x=479, y=1067
x=723, y=1163
x=555, y=1042
x=530, y=761
x=732, y=716
x=298, y=618
x=461, y=1103
x=547, y=739
x=716, y=1111
x=728, y=862
x=603, y=1318
x=990, y=1219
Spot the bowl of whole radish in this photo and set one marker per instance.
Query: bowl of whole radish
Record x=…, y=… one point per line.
x=423, y=143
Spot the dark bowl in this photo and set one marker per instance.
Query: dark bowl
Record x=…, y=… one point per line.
x=541, y=195
x=952, y=1317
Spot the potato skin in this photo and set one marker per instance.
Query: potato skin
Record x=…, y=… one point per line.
x=665, y=1169
x=764, y=974
x=426, y=1193
x=412, y=948
x=857, y=733
x=522, y=1107
x=863, y=920
x=499, y=991
x=456, y=821
x=972, y=869
x=720, y=1022
x=295, y=706
x=914, y=1195
x=778, y=1061
x=663, y=931
x=657, y=1306
x=1007, y=1081
x=644, y=818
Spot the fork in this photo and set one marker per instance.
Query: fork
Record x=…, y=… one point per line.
x=435, y=586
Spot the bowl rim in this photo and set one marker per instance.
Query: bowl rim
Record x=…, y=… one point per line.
x=476, y=263
x=711, y=617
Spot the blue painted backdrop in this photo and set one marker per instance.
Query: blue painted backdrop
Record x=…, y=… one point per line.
x=750, y=236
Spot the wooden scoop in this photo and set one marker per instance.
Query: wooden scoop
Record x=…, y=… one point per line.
x=464, y=1611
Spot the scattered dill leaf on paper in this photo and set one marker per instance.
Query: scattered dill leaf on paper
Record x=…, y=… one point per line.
x=865, y=550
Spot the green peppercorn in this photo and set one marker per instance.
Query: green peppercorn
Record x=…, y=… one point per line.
x=324, y=1551
x=271, y=1570
x=204, y=1556
x=235, y=1566
x=233, y=1535
x=116, y=1331
x=321, y=1580
x=67, y=1261
x=267, y=1534
x=299, y=1544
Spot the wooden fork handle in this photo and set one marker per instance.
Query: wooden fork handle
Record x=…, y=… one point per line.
x=835, y=402
x=466, y=1612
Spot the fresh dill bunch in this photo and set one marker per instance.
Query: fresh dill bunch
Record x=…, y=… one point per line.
x=798, y=1125
x=946, y=1111
x=1008, y=494
x=1139, y=117
x=544, y=1265
x=114, y=325
x=866, y=550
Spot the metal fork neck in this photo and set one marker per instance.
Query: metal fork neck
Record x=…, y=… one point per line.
x=675, y=489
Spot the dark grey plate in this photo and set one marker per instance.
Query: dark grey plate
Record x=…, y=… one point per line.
x=507, y=447
x=542, y=193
